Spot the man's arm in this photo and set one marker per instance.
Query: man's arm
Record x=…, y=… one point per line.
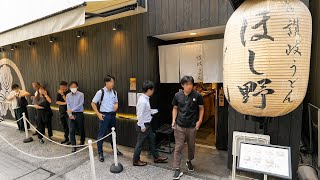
x=201, y=113
x=174, y=115
x=61, y=103
x=24, y=94
x=140, y=108
x=95, y=108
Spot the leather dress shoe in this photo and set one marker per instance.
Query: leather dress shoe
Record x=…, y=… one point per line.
x=139, y=163
x=160, y=160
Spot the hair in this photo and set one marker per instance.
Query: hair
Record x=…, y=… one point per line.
x=14, y=86
x=186, y=79
x=73, y=82
x=109, y=78
x=63, y=83
x=38, y=95
x=36, y=83
x=147, y=85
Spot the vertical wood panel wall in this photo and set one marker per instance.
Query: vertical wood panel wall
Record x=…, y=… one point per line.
x=169, y=16
x=125, y=53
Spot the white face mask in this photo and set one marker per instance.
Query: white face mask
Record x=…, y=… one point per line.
x=73, y=90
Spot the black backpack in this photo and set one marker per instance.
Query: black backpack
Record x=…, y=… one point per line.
x=101, y=99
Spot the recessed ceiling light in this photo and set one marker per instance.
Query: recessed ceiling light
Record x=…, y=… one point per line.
x=193, y=33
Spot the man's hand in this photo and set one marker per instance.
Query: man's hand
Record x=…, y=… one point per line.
x=45, y=93
x=115, y=107
x=198, y=125
x=60, y=91
x=100, y=116
x=37, y=106
x=143, y=129
x=69, y=111
x=173, y=125
x=71, y=117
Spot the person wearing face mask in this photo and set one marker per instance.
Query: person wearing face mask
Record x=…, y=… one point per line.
x=42, y=104
x=75, y=100
x=107, y=100
x=19, y=104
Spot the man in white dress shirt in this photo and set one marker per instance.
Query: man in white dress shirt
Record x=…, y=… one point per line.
x=143, y=127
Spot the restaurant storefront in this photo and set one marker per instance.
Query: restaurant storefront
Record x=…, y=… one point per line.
x=129, y=48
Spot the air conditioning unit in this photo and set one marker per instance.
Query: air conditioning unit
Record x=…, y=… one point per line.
x=98, y=11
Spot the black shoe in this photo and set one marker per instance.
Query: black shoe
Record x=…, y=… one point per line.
x=119, y=153
x=81, y=143
x=177, y=174
x=101, y=158
x=50, y=138
x=41, y=141
x=74, y=150
x=190, y=166
x=68, y=143
x=65, y=141
x=34, y=134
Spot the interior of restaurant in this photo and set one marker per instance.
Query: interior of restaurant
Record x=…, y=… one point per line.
x=178, y=56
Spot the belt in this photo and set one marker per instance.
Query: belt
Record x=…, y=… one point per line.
x=108, y=112
x=76, y=112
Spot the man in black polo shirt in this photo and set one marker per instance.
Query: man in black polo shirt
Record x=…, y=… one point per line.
x=61, y=101
x=187, y=115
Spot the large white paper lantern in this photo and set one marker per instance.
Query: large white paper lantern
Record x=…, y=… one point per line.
x=267, y=57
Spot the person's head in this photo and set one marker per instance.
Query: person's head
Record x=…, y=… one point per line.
x=15, y=87
x=63, y=86
x=187, y=83
x=36, y=86
x=109, y=81
x=73, y=86
x=42, y=90
x=148, y=88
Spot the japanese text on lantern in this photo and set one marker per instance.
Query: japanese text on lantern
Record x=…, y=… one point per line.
x=292, y=50
x=250, y=88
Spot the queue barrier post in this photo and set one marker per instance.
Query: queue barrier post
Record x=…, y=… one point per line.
x=116, y=167
x=93, y=169
x=27, y=139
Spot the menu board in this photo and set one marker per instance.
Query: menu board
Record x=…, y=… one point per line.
x=266, y=159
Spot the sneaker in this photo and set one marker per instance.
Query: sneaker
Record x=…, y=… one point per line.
x=101, y=158
x=119, y=153
x=190, y=166
x=74, y=150
x=65, y=141
x=177, y=174
x=41, y=141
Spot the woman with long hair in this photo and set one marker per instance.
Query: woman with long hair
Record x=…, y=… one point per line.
x=42, y=104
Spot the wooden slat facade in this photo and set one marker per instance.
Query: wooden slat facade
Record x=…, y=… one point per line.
x=169, y=16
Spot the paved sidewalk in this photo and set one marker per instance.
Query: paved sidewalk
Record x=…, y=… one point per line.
x=15, y=165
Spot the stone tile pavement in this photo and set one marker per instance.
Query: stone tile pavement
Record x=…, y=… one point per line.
x=14, y=165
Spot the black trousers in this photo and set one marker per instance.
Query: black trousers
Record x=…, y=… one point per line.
x=44, y=120
x=64, y=122
x=142, y=136
x=18, y=114
x=77, y=123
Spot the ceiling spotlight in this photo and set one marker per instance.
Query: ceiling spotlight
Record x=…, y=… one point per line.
x=30, y=43
x=13, y=47
x=80, y=34
x=193, y=33
x=52, y=39
x=115, y=26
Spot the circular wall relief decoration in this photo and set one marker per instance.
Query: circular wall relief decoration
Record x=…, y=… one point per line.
x=6, y=80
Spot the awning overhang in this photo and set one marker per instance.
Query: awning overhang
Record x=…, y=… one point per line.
x=36, y=18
